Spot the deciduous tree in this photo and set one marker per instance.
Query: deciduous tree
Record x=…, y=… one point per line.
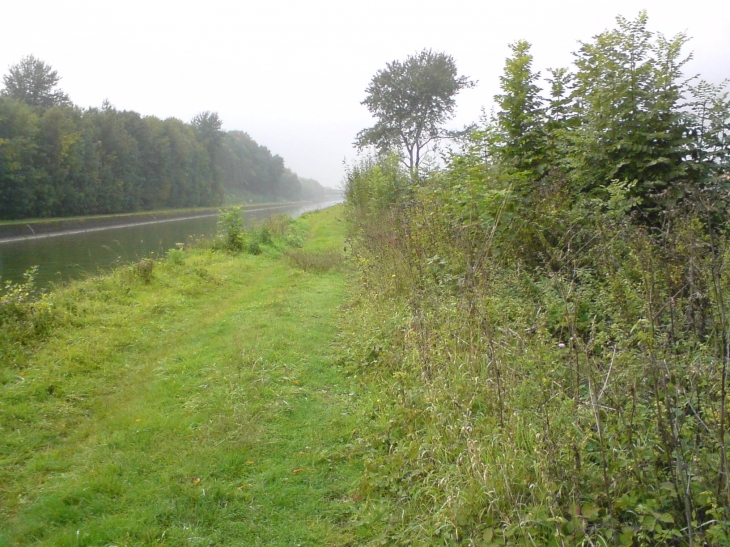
x=33, y=82
x=628, y=95
x=411, y=101
x=521, y=130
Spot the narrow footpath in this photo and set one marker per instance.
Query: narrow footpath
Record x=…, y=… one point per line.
x=201, y=408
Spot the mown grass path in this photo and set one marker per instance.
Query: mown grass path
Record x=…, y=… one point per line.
x=203, y=408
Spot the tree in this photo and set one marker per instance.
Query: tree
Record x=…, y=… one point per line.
x=627, y=93
x=411, y=101
x=710, y=130
x=521, y=127
x=209, y=125
x=33, y=81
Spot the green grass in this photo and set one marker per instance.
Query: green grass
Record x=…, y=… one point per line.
x=202, y=408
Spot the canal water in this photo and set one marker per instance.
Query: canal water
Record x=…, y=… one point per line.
x=62, y=257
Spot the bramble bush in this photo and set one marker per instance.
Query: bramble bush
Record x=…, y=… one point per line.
x=566, y=387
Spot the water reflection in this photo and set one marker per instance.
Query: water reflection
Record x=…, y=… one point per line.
x=70, y=256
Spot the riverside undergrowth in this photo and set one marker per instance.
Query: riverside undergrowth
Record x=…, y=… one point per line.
x=549, y=369
x=190, y=400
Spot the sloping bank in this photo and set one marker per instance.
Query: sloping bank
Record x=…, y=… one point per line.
x=192, y=402
x=22, y=229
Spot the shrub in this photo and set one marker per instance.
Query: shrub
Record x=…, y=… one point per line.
x=549, y=371
x=277, y=225
x=231, y=234
x=143, y=269
x=264, y=235
x=23, y=316
x=253, y=248
x=176, y=256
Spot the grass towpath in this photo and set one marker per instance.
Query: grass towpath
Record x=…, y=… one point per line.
x=203, y=408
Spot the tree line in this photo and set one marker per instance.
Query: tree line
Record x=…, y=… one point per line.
x=57, y=159
x=625, y=111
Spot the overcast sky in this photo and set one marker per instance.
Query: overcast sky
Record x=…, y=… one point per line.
x=292, y=73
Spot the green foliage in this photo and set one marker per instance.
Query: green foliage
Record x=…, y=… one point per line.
x=177, y=256
x=263, y=235
x=294, y=238
x=276, y=231
x=59, y=160
x=628, y=95
x=545, y=319
x=253, y=248
x=521, y=131
x=33, y=81
x=542, y=380
x=231, y=233
x=249, y=167
x=374, y=184
x=24, y=318
x=622, y=114
x=710, y=126
x=144, y=268
x=411, y=101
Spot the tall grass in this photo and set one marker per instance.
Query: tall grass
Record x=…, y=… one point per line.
x=551, y=371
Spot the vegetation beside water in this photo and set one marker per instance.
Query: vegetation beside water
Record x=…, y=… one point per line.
x=193, y=400
x=537, y=343
x=545, y=319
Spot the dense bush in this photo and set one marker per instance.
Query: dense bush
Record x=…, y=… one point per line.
x=551, y=357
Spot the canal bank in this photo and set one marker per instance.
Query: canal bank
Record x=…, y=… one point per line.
x=12, y=231
x=200, y=405
x=66, y=249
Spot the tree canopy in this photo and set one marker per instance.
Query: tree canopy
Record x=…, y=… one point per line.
x=624, y=112
x=57, y=159
x=33, y=82
x=411, y=101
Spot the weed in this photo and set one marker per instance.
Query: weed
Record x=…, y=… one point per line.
x=294, y=238
x=550, y=373
x=24, y=318
x=264, y=235
x=176, y=256
x=277, y=225
x=231, y=233
x=253, y=248
x=143, y=269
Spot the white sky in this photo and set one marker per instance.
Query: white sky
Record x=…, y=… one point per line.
x=292, y=73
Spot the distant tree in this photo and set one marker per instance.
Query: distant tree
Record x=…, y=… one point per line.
x=710, y=129
x=18, y=153
x=33, y=81
x=411, y=101
x=209, y=125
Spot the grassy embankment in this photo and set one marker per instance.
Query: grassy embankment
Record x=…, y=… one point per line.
x=199, y=407
x=28, y=227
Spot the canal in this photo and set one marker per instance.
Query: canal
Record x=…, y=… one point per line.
x=64, y=256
